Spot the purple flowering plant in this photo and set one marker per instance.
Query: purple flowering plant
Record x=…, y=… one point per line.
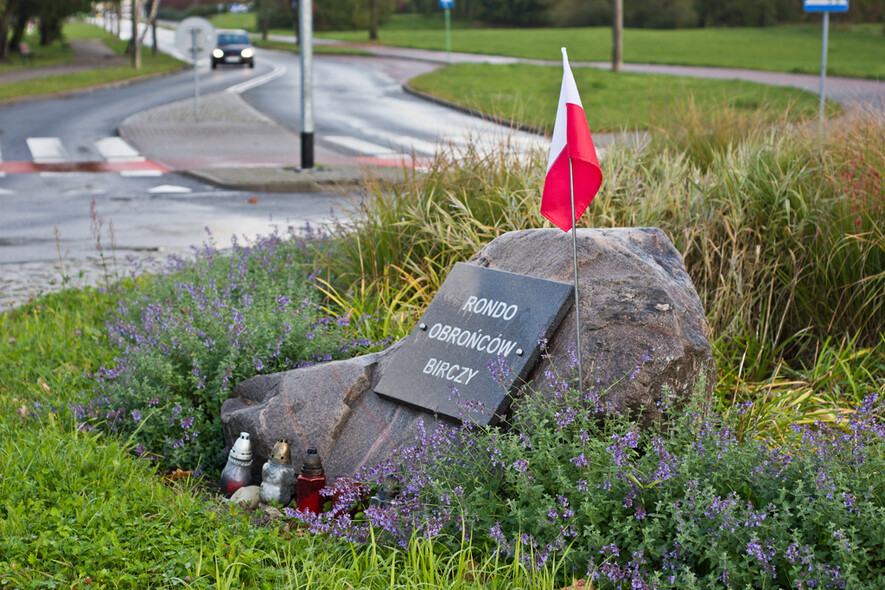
x=188, y=335
x=681, y=504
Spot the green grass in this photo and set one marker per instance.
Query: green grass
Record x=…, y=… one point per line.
x=78, y=510
x=857, y=51
x=51, y=55
x=229, y=20
x=60, y=53
x=317, y=49
x=528, y=94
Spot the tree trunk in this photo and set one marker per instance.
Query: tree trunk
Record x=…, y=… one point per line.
x=136, y=46
x=263, y=17
x=373, y=20
x=152, y=23
x=617, y=35
x=6, y=17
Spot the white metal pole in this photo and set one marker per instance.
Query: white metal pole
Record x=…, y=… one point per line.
x=448, y=11
x=305, y=42
x=194, y=33
x=823, y=65
x=571, y=181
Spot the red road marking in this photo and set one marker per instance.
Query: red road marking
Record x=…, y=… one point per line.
x=34, y=167
x=398, y=161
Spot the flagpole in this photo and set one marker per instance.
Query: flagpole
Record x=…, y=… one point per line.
x=571, y=182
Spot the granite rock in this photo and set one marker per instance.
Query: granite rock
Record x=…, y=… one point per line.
x=330, y=406
x=643, y=329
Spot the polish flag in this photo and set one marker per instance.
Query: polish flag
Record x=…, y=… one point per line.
x=571, y=141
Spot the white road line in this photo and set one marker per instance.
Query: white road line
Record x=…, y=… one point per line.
x=365, y=148
x=168, y=189
x=141, y=173
x=47, y=150
x=115, y=149
x=408, y=144
x=275, y=73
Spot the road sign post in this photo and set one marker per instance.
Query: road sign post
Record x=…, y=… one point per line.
x=195, y=37
x=826, y=7
x=446, y=5
x=194, y=34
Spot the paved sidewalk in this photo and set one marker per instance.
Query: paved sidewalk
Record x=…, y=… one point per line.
x=88, y=54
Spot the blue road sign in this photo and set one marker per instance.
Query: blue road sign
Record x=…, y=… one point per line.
x=446, y=3
x=826, y=5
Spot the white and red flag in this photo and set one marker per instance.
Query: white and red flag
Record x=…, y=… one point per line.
x=571, y=141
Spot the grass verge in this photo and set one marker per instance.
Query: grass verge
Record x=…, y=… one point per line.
x=854, y=50
x=527, y=94
x=317, y=49
x=60, y=53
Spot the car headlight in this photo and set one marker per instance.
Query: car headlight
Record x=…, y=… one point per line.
x=217, y=53
x=247, y=53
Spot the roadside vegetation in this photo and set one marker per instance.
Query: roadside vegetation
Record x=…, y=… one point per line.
x=317, y=49
x=527, y=94
x=104, y=392
x=854, y=50
x=59, y=52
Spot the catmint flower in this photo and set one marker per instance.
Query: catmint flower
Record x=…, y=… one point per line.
x=520, y=465
x=618, y=449
x=579, y=461
x=136, y=416
x=610, y=549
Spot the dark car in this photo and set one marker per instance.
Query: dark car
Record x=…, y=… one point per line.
x=233, y=47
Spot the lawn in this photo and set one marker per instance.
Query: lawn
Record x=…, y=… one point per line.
x=528, y=94
x=856, y=51
x=60, y=52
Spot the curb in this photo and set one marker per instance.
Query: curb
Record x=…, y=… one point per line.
x=294, y=180
x=84, y=89
x=407, y=88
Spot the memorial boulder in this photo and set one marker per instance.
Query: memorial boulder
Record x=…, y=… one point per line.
x=643, y=329
x=643, y=333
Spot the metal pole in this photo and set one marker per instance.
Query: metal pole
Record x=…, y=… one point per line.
x=194, y=33
x=571, y=182
x=305, y=42
x=448, y=34
x=823, y=65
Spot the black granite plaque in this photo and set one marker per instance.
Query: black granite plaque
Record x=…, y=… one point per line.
x=477, y=341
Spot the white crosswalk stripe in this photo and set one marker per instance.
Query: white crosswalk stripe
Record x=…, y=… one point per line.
x=47, y=150
x=116, y=149
x=366, y=148
x=49, y=157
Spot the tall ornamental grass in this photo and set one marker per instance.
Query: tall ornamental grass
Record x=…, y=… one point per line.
x=782, y=230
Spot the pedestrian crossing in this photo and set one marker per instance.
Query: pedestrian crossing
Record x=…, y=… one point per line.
x=48, y=156
x=390, y=149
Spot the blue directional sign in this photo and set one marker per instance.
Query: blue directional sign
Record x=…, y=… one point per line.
x=826, y=5
x=446, y=3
